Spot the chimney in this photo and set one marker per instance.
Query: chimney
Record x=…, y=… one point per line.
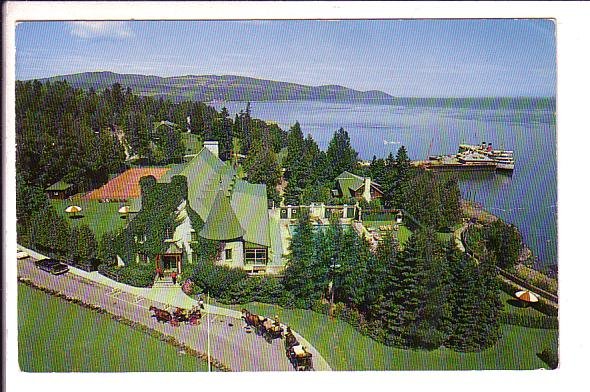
x=367, y=190
x=213, y=146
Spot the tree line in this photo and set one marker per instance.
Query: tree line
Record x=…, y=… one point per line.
x=426, y=295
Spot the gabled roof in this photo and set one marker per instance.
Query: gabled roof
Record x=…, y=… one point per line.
x=203, y=174
x=206, y=176
x=59, y=186
x=222, y=223
x=250, y=205
x=350, y=181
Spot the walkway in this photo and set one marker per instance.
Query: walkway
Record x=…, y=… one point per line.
x=230, y=344
x=551, y=299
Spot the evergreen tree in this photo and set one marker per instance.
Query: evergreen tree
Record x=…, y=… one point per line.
x=294, y=152
x=504, y=242
x=465, y=303
x=293, y=194
x=262, y=168
x=435, y=312
x=402, y=175
x=341, y=156
x=302, y=277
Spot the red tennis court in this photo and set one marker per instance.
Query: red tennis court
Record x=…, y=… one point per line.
x=125, y=185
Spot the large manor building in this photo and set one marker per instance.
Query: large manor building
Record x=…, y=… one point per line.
x=235, y=213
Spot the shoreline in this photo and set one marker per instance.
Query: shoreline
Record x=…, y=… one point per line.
x=527, y=259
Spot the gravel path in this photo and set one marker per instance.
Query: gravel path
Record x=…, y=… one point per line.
x=230, y=344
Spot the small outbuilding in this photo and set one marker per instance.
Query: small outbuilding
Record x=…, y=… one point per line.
x=60, y=190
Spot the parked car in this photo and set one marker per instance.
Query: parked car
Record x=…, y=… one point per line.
x=52, y=266
x=21, y=255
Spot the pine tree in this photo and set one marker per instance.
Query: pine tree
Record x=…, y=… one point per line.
x=294, y=152
x=301, y=272
x=341, y=156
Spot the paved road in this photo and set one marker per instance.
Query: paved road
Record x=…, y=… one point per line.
x=229, y=344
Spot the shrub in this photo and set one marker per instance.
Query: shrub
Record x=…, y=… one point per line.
x=216, y=279
x=541, y=322
x=137, y=275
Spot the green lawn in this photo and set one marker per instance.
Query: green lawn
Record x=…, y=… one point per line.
x=346, y=349
x=100, y=217
x=57, y=336
x=402, y=234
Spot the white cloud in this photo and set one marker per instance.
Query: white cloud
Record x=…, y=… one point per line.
x=109, y=29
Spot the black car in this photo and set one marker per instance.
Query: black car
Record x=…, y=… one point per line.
x=52, y=266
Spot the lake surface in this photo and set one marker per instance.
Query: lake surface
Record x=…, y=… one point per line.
x=527, y=198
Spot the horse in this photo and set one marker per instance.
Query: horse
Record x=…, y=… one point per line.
x=251, y=319
x=161, y=315
x=290, y=339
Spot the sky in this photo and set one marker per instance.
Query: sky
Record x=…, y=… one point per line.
x=426, y=58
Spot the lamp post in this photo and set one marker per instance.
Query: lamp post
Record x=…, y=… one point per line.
x=333, y=268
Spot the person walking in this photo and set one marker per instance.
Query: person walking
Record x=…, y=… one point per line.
x=159, y=273
x=174, y=275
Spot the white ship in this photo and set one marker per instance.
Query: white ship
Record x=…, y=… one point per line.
x=503, y=158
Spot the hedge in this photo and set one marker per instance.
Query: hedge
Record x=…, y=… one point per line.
x=137, y=275
x=541, y=322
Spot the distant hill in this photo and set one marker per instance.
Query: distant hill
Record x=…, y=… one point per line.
x=207, y=88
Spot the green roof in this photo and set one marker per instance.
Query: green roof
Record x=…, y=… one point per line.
x=174, y=171
x=222, y=223
x=348, y=181
x=206, y=175
x=203, y=174
x=250, y=205
x=352, y=182
x=59, y=186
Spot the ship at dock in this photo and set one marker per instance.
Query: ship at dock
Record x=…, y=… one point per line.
x=471, y=158
x=503, y=158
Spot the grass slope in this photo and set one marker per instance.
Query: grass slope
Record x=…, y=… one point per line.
x=345, y=349
x=100, y=217
x=56, y=336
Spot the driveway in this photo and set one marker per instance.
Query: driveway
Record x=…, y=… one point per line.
x=229, y=343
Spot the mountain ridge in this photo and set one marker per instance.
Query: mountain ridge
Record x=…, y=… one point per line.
x=208, y=88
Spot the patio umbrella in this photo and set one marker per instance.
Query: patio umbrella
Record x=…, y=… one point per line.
x=526, y=296
x=124, y=210
x=73, y=210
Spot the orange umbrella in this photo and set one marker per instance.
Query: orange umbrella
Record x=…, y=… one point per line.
x=527, y=296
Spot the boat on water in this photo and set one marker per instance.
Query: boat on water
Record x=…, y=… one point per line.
x=471, y=158
x=504, y=158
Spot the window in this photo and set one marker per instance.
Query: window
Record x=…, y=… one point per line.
x=194, y=236
x=256, y=256
x=228, y=254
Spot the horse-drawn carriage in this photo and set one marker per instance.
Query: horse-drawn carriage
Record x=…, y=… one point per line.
x=263, y=326
x=193, y=316
x=299, y=357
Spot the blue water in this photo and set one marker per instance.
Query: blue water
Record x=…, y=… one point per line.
x=527, y=198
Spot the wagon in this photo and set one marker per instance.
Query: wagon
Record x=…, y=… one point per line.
x=270, y=330
x=300, y=358
x=181, y=315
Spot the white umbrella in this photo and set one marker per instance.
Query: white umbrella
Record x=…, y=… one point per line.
x=526, y=296
x=124, y=210
x=73, y=209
